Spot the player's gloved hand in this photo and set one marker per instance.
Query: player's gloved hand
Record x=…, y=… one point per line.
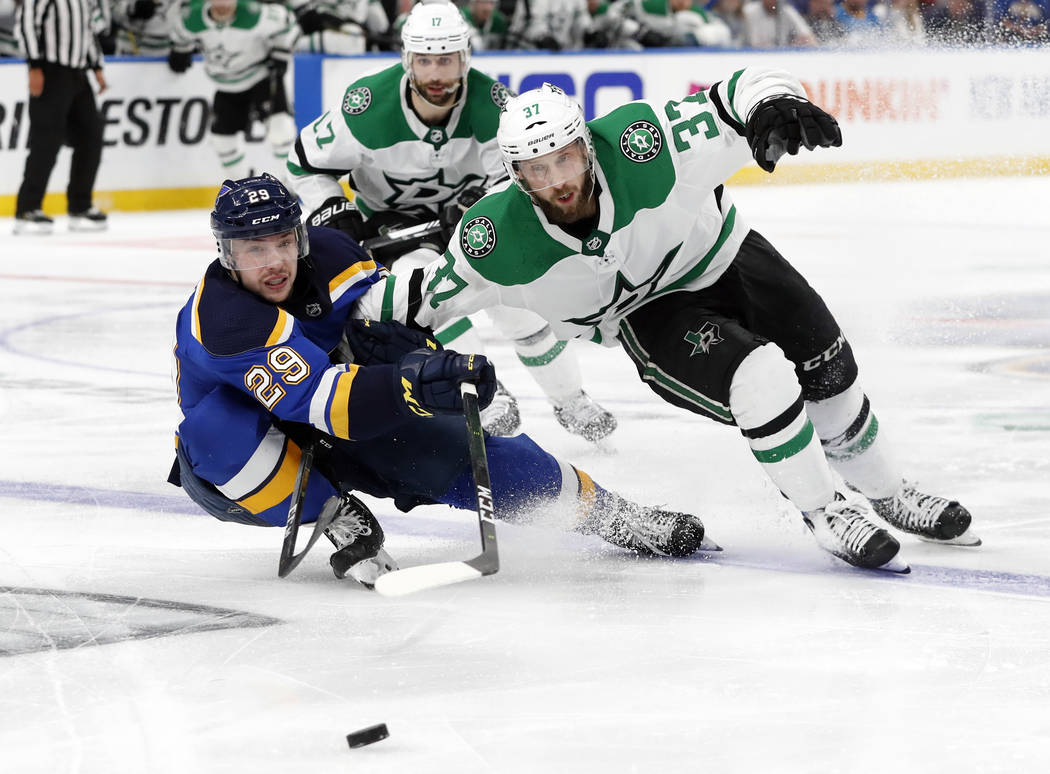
x=142, y=10
x=785, y=123
x=650, y=38
x=428, y=381
x=374, y=343
x=453, y=211
x=179, y=61
x=339, y=213
x=311, y=20
x=548, y=42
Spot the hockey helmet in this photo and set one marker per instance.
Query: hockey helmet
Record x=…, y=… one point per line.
x=537, y=123
x=434, y=29
x=251, y=208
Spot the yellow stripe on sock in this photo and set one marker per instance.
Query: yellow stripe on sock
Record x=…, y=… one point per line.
x=280, y=485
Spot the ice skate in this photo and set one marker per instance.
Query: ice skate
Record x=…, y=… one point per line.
x=33, y=222
x=358, y=538
x=932, y=518
x=582, y=416
x=647, y=530
x=842, y=529
x=91, y=219
x=501, y=417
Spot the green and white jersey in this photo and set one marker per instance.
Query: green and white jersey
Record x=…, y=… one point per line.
x=395, y=161
x=662, y=226
x=236, y=52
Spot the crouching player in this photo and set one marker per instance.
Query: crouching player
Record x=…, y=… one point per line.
x=267, y=359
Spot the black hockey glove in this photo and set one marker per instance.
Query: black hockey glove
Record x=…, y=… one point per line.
x=548, y=42
x=142, y=10
x=785, y=123
x=342, y=214
x=311, y=20
x=453, y=211
x=179, y=61
x=428, y=381
x=375, y=343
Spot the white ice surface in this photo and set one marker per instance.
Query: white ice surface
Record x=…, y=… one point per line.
x=770, y=657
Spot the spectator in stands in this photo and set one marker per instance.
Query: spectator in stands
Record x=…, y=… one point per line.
x=681, y=23
x=761, y=25
x=957, y=23
x=489, y=24
x=8, y=40
x=731, y=12
x=904, y=23
x=1025, y=21
x=822, y=17
x=550, y=24
x=861, y=20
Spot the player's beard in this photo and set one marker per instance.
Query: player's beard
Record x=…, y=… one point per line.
x=448, y=96
x=580, y=208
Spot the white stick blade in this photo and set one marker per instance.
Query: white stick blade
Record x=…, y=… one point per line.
x=425, y=576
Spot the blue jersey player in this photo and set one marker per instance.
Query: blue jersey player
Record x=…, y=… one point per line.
x=268, y=359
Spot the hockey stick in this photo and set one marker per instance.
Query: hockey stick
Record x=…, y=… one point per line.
x=399, y=241
x=289, y=559
x=429, y=576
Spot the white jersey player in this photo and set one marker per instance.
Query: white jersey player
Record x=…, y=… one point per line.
x=246, y=47
x=621, y=232
x=418, y=141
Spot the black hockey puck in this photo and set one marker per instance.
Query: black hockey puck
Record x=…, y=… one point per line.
x=367, y=736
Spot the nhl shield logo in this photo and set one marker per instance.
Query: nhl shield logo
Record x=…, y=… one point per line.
x=357, y=100
x=313, y=310
x=479, y=237
x=641, y=141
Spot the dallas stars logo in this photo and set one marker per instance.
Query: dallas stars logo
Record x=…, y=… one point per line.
x=430, y=192
x=357, y=100
x=641, y=141
x=500, y=94
x=479, y=237
x=703, y=339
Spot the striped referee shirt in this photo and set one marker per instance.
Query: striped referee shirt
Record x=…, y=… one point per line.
x=62, y=31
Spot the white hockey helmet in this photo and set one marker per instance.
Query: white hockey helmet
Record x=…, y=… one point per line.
x=435, y=28
x=539, y=122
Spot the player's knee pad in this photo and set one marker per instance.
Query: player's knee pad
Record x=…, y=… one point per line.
x=833, y=416
x=764, y=391
x=280, y=132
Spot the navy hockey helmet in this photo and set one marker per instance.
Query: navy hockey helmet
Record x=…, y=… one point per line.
x=252, y=208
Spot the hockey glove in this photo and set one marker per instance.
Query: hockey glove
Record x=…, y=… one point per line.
x=453, y=211
x=375, y=343
x=785, y=123
x=428, y=382
x=311, y=20
x=342, y=214
x=179, y=61
x=142, y=10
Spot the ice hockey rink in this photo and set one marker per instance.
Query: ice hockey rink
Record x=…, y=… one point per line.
x=138, y=635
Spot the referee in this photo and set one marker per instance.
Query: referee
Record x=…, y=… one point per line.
x=58, y=38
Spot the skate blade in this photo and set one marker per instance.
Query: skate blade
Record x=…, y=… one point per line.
x=897, y=565
x=966, y=540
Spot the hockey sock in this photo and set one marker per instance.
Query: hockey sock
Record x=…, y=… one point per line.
x=550, y=364
x=766, y=403
x=854, y=444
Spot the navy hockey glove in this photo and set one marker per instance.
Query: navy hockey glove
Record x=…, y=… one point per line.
x=342, y=214
x=375, y=343
x=179, y=61
x=428, y=382
x=785, y=123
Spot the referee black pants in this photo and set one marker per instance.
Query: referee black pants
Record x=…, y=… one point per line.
x=64, y=112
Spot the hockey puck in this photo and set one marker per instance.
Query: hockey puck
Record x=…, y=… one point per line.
x=367, y=736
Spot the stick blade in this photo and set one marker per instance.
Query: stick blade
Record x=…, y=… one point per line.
x=424, y=576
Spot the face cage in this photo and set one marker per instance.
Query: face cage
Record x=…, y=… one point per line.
x=519, y=179
x=226, y=248
x=464, y=68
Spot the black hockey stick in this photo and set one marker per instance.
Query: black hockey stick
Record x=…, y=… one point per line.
x=289, y=559
x=398, y=241
x=429, y=576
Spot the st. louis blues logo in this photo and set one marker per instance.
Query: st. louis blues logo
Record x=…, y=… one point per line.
x=641, y=141
x=357, y=100
x=479, y=237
